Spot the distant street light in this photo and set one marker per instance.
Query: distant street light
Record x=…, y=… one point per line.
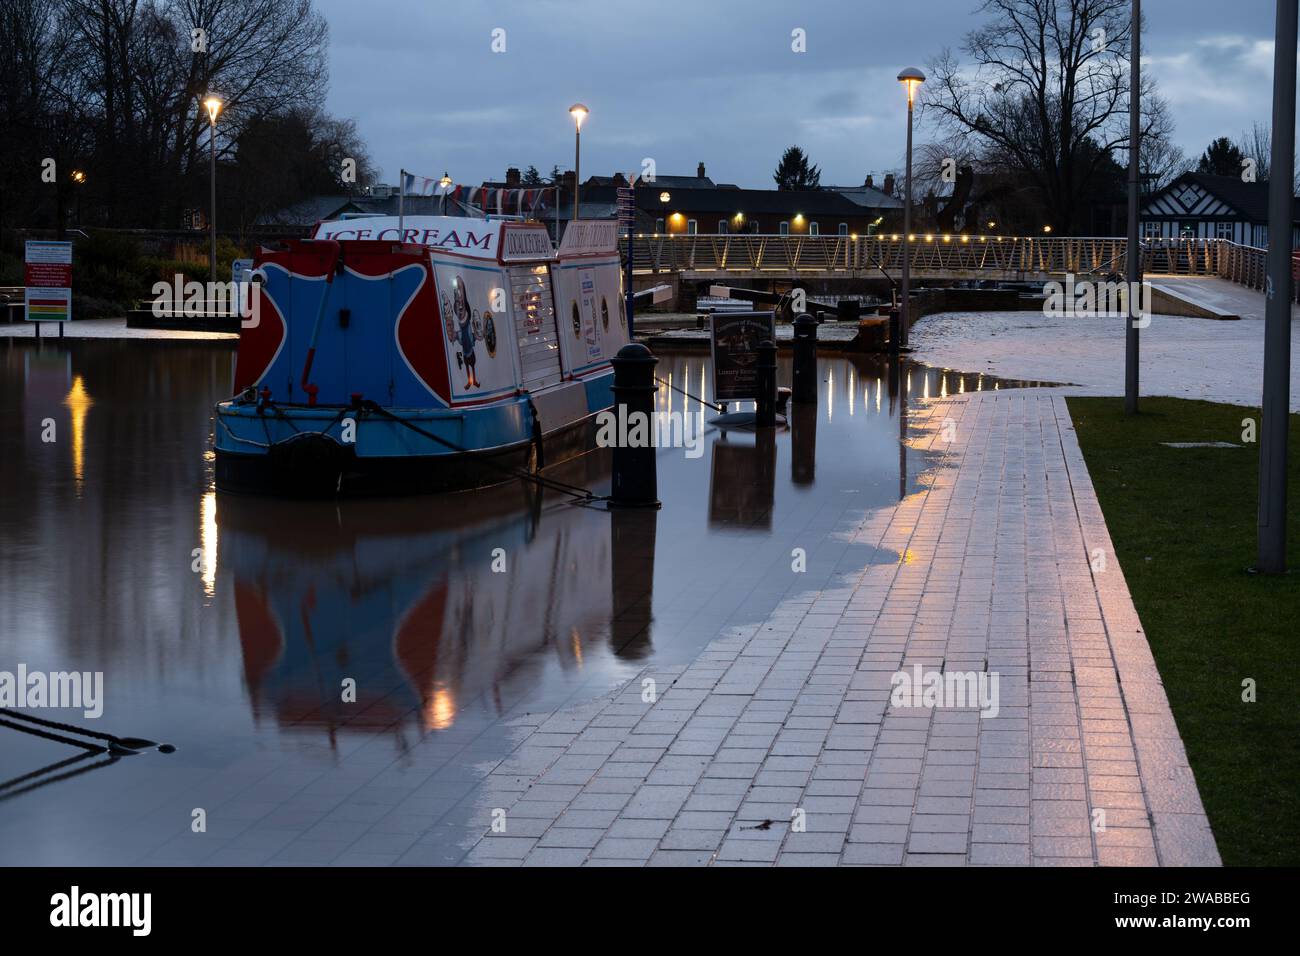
x=665, y=196
x=444, y=184
x=579, y=113
x=213, y=105
x=911, y=78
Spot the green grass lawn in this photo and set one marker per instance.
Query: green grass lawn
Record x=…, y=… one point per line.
x=1183, y=524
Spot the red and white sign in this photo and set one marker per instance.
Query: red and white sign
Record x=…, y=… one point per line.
x=47, y=276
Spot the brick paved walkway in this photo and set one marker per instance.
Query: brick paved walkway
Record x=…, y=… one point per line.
x=779, y=744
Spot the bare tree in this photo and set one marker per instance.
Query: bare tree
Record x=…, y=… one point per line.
x=143, y=67
x=1045, y=93
x=1257, y=144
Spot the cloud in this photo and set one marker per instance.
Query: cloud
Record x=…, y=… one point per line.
x=684, y=81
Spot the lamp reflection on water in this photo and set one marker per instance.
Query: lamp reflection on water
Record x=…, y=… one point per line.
x=79, y=402
x=208, y=542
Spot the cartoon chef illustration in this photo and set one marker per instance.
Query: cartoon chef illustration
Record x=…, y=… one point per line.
x=468, y=330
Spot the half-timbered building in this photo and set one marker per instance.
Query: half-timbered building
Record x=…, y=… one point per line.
x=1201, y=206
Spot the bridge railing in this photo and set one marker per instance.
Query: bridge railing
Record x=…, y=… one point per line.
x=940, y=256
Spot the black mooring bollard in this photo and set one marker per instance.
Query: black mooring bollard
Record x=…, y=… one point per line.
x=634, y=484
x=895, y=330
x=765, y=411
x=804, y=384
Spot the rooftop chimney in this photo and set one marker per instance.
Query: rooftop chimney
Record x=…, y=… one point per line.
x=699, y=172
x=889, y=184
x=512, y=176
x=870, y=184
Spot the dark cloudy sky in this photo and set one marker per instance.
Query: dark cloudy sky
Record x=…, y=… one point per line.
x=685, y=81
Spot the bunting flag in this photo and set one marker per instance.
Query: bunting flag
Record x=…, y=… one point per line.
x=498, y=200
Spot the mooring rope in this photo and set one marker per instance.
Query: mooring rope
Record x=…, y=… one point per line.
x=716, y=408
x=554, y=484
x=123, y=743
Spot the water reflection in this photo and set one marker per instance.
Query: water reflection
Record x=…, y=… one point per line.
x=422, y=608
x=742, y=482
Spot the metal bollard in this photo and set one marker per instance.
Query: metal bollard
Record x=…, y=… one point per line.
x=804, y=383
x=895, y=330
x=765, y=411
x=634, y=483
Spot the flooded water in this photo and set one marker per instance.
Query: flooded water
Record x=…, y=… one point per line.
x=324, y=667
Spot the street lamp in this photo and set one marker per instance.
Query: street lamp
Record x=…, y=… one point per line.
x=78, y=179
x=444, y=184
x=579, y=113
x=212, y=103
x=911, y=78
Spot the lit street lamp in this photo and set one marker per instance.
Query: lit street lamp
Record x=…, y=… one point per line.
x=213, y=105
x=444, y=184
x=911, y=78
x=579, y=113
x=78, y=180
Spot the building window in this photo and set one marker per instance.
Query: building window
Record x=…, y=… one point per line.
x=659, y=225
x=692, y=227
x=722, y=227
x=1150, y=230
x=814, y=229
x=1223, y=230
x=844, y=229
x=785, y=228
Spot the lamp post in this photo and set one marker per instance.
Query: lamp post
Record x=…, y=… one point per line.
x=579, y=113
x=1133, y=265
x=911, y=78
x=78, y=180
x=444, y=184
x=1271, y=548
x=213, y=105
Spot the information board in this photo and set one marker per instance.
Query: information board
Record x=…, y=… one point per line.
x=733, y=344
x=47, y=281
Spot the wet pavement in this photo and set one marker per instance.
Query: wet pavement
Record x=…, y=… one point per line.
x=234, y=628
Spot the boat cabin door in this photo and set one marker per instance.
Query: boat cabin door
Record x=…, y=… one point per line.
x=534, y=312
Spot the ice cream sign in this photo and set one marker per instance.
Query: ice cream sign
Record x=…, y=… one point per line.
x=466, y=236
x=525, y=242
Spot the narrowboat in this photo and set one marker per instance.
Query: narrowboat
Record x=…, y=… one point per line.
x=421, y=355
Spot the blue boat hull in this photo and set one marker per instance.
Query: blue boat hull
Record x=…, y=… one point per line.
x=328, y=451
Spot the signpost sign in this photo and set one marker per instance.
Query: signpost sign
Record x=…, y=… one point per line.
x=626, y=220
x=626, y=209
x=733, y=344
x=47, y=278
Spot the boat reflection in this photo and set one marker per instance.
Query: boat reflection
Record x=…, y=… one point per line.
x=429, y=610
